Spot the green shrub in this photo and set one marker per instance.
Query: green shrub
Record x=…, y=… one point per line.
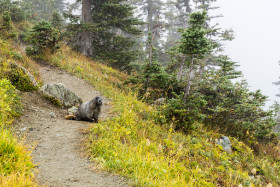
x=183, y=115
x=9, y=102
x=16, y=56
x=235, y=110
x=43, y=37
x=155, y=82
x=7, y=29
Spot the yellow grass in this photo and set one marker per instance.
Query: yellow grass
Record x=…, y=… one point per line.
x=16, y=168
x=150, y=154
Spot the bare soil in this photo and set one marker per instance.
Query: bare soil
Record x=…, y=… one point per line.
x=59, y=149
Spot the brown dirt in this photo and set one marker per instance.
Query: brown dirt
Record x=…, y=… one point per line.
x=59, y=148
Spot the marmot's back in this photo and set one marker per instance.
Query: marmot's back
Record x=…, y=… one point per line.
x=89, y=111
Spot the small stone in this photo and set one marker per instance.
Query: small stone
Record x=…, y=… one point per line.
x=148, y=143
x=72, y=110
x=159, y=148
x=254, y=171
x=52, y=115
x=225, y=143
x=31, y=129
x=159, y=101
x=180, y=147
x=23, y=129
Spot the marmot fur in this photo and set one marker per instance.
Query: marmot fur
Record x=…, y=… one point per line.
x=89, y=111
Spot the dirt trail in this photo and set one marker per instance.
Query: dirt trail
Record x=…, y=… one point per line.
x=58, y=150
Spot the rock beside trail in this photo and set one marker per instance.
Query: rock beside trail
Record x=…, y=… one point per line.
x=30, y=76
x=64, y=95
x=225, y=143
x=159, y=101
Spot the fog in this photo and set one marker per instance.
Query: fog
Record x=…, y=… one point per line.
x=256, y=47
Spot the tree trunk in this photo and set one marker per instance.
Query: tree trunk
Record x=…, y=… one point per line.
x=181, y=68
x=85, y=37
x=188, y=87
x=146, y=84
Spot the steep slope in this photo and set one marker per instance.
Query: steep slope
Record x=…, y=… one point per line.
x=130, y=142
x=133, y=144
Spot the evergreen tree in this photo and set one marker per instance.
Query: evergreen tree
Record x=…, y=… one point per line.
x=152, y=12
x=7, y=24
x=42, y=37
x=14, y=8
x=194, y=44
x=6, y=28
x=112, y=31
x=43, y=9
x=57, y=20
x=228, y=68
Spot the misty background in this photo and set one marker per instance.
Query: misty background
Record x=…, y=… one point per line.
x=256, y=46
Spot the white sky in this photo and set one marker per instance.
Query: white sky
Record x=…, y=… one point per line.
x=256, y=47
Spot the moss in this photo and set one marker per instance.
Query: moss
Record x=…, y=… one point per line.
x=20, y=80
x=53, y=100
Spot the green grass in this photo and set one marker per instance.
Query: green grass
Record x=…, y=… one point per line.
x=149, y=154
x=16, y=168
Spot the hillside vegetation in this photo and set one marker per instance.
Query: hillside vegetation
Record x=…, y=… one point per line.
x=16, y=168
x=170, y=145
x=134, y=145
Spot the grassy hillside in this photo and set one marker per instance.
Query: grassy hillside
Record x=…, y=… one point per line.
x=134, y=145
x=16, y=168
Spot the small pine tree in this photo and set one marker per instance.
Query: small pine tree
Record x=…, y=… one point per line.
x=7, y=24
x=43, y=36
x=7, y=29
x=194, y=43
x=228, y=68
x=57, y=20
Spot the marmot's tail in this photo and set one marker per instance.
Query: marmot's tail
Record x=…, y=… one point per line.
x=70, y=117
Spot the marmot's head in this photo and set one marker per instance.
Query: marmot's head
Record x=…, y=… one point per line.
x=98, y=101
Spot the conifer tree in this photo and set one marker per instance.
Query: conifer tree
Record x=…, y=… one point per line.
x=152, y=13
x=14, y=8
x=43, y=9
x=42, y=37
x=194, y=44
x=113, y=32
x=228, y=68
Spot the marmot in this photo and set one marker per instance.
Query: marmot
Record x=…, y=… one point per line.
x=88, y=111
